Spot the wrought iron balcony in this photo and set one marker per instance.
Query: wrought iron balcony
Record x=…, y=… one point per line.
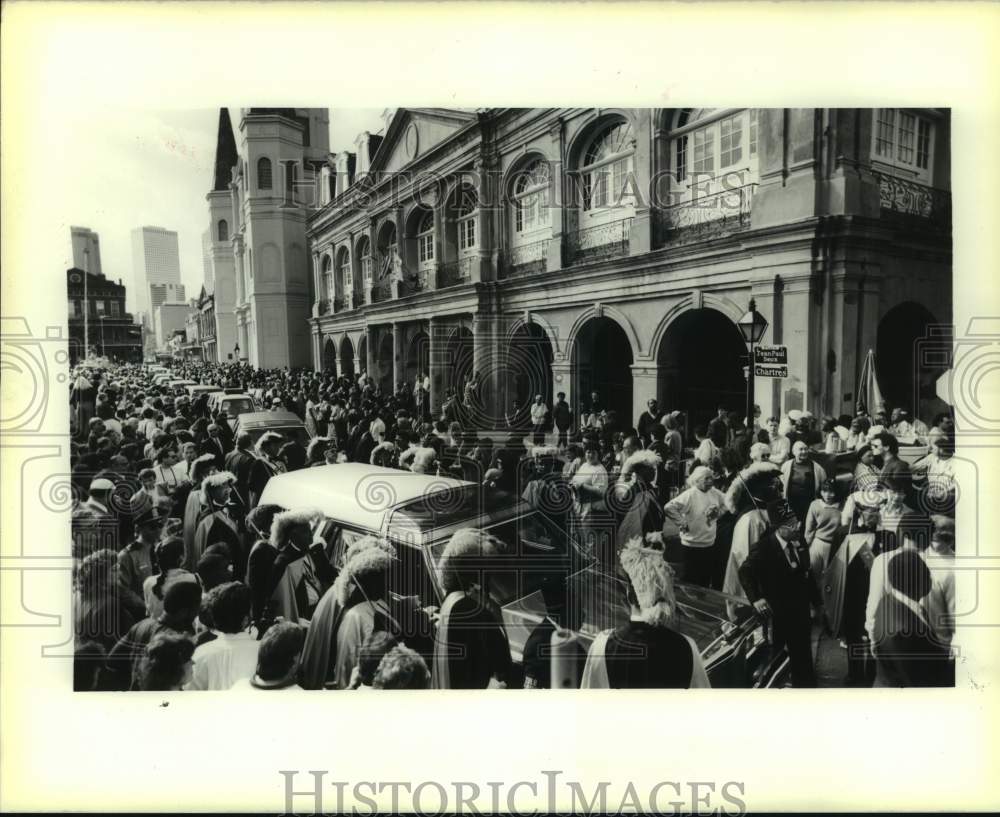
x=455, y=272
x=382, y=291
x=526, y=259
x=599, y=243
x=706, y=217
x=412, y=284
x=912, y=204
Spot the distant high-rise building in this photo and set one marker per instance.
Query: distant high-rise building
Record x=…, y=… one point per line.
x=160, y=294
x=86, y=250
x=155, y=260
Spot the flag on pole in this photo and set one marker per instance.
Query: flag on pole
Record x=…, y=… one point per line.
x=869, y=394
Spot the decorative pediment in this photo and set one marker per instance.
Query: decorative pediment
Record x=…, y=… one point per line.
x=412, y=132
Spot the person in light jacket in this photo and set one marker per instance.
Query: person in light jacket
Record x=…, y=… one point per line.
x=801, y=480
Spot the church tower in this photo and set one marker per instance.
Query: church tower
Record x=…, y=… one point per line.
x=280, y=153
x=219, y=247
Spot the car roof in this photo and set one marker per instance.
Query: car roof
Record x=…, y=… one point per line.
x=356, y=494
x=259, y=419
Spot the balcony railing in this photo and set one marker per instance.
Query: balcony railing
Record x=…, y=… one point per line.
x=914, y=204
x=599, y=243
x=412, y=284
x=382, y=291
x=456, y=272
x=526, y=259
x=706, y=217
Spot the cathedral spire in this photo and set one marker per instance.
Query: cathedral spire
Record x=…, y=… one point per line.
x=226, y=156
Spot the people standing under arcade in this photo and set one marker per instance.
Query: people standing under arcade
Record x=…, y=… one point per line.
x=539, y=417
x=562, y=417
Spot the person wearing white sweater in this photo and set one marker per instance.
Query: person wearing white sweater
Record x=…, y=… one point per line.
x=695, y=512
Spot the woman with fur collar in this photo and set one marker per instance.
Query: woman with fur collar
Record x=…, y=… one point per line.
x=637, y=496
x=350, y=611
x=646, y=653
x=220, y=522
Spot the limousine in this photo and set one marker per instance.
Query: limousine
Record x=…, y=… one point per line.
x=419, y=513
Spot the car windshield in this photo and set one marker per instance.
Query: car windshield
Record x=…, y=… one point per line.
x=444, y=507
x=296, y=433
x=236, y=407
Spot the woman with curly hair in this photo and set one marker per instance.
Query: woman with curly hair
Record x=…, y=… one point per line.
x=99, y=608
x=470, y=648
x=402, y=668
x=646, y=653
x=167, y=664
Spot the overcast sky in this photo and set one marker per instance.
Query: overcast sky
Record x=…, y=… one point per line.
x=153, y=167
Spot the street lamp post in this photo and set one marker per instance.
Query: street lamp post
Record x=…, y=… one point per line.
x=752, y=326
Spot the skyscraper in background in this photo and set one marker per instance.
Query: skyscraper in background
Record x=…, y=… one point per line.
x=155, y=260
x=86, y=250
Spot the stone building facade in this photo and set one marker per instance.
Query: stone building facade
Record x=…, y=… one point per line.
x=612, y=251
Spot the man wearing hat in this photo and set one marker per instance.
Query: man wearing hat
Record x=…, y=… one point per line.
x=135, y=560
x=646, y=653
x=99, y=499
x=777, y=580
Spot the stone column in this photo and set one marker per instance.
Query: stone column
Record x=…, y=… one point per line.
x=641, y=234
x=645, y=375
x=317, y=348
x=397, y=354
x=370, y=351
x=788, y=155
x=486, y=360
x=436, y=333
x=560, y=198
x=562, y=381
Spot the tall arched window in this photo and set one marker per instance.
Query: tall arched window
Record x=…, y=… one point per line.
x=531, y=203
x=364, y=252
x=223, y=230
x=425, y=241
x=264, y=173
x=710, y=146
x=465, y=218
x=327, y=278
x=343, y=271
x=606, y=169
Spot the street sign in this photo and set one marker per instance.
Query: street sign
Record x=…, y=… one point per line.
x=769, y=370
x=772, y=356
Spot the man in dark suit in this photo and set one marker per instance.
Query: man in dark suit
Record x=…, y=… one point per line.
x=906, y=652
x=240, y=461
x=777, y=580
x=215, y=446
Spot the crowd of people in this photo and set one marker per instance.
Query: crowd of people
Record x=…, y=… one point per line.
x=185, y=580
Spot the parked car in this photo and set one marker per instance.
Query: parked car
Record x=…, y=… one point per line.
x=179, y=387
x=194, y=390
x=232, y=402
x=419, y=513
x=256, y=423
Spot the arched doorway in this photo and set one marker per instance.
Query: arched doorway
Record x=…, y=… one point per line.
x=602, y=356
x=418, y=357
x=701, y=359
x=459, y=359
x=905, y=381
x=529, y=366
x=347, y=357
x=383, y=363
x=330, y=357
